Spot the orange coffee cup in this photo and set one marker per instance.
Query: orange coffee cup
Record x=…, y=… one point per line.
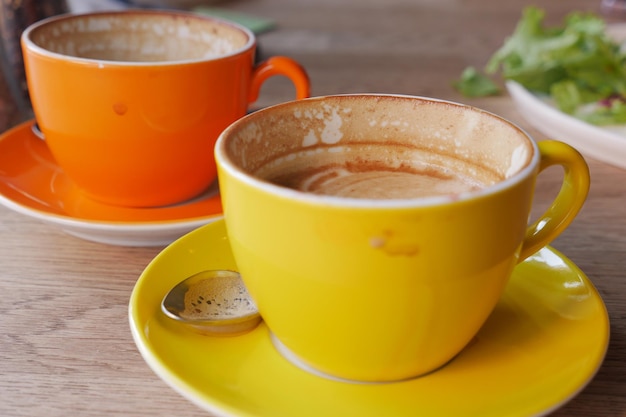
x=131, y=102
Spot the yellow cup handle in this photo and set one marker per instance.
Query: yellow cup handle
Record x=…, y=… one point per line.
x=567, y=203
x=280, y=65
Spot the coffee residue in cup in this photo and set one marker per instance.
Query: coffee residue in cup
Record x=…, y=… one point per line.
x=376, y=171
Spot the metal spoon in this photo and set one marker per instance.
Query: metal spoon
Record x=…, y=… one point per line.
x=214, y=303
x=37, y=131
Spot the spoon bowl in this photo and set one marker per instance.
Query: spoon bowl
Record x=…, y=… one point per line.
x=214, y=303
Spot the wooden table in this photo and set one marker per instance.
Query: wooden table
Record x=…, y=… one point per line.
x=65, y=343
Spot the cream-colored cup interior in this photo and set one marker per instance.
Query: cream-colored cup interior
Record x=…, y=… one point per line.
x=140, y=36
x=304, y=143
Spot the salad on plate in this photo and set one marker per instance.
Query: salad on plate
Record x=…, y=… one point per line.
x=578, y=65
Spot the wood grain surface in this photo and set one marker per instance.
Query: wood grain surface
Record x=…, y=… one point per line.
x=65, y=343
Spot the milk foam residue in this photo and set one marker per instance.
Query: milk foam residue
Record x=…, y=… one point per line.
x=217, y=298
x=321, y=125
x=518, y=160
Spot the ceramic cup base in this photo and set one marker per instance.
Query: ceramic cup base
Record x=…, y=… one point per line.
x=295, y=360
x=209, y=192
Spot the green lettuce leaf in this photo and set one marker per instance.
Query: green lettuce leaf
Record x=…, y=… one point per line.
x=474, y=84
x=576, y=63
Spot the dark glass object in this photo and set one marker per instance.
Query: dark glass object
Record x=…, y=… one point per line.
x=15, y=16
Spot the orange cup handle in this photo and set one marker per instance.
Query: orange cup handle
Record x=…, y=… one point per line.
x=280, y=65
x=567, y=203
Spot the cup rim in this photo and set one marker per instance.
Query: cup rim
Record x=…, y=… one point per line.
x=31, y=46
x=224, y=162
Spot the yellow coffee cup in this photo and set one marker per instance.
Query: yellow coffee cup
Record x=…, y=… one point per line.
x=376, y=233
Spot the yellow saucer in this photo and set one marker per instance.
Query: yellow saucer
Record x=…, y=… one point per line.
x=542, y=344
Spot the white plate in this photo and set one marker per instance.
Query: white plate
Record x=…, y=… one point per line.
x=605, y=143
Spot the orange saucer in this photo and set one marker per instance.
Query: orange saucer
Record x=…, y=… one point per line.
x=33, y=184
